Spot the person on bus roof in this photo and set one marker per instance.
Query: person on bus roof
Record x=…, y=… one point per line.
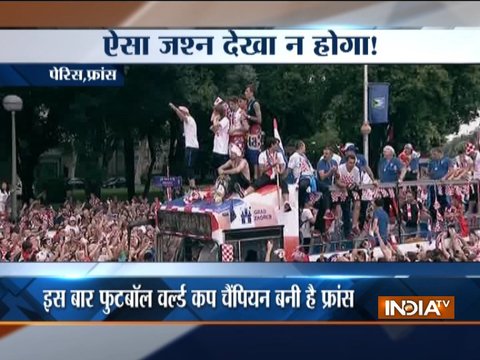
x=272, y=165
x=238, y=169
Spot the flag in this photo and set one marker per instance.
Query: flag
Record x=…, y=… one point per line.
x=276, y=135
x=378, y=103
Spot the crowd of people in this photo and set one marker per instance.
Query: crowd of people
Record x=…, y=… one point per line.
x=92, y=231
x=376, y=215
x=449, y=246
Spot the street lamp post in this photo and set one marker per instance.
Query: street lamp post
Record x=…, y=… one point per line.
x=365, y=129
x=13, y=104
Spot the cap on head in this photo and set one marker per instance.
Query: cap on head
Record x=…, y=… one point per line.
x=351, y=148
x=348, y=147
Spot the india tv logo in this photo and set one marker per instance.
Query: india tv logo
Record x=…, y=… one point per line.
x=416, y=307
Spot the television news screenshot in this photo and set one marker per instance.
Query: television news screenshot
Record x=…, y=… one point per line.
x=239, y=179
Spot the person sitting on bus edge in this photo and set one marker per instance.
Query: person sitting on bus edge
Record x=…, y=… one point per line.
x=302, y=173
x=238, y=169
x=272, y=165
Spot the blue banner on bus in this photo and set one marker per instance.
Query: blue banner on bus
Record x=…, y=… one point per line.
x=167, y=181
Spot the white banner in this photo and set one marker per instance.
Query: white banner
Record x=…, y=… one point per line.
x=123, y=46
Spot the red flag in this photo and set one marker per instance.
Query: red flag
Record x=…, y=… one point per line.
x=276, y=133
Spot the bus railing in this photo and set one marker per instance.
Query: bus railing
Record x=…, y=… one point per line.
x=337, y=242
x=410, y=183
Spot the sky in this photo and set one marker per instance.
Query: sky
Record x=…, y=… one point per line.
x=466, y=129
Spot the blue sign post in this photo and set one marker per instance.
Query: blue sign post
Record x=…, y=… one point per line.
x=167, y=183
x=378, y=103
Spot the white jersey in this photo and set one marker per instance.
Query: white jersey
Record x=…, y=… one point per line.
x=190, y=133
x=300, y=165
x=349, y=177
x=307, y=215
x=220, y=143
x=266, y=159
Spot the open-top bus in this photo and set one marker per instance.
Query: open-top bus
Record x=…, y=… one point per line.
x=229, y=231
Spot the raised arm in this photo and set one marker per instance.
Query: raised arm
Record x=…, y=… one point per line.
x=268, y=255
x=451, y=170
x=180, y=115
x=387, y=253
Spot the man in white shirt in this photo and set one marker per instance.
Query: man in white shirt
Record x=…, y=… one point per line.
x=302, y=172
x=220, y=128
x=191, y=141
x=348, y=178
x=271, y=165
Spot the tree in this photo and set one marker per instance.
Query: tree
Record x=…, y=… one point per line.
x=38, y=128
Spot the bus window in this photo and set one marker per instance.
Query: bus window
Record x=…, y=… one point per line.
x=168, y=247
x=250, y=245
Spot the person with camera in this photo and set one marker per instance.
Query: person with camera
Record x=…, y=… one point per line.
x=348, y=179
